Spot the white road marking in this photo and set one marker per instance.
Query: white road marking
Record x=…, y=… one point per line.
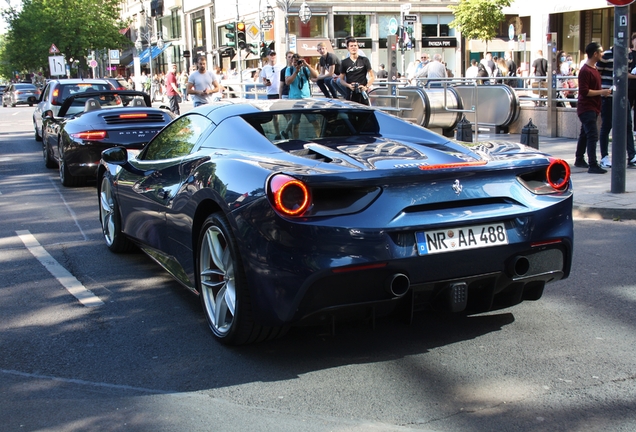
x=70, y=210
x=68, y=281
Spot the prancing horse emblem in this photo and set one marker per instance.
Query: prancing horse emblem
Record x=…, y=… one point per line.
x=457, y=187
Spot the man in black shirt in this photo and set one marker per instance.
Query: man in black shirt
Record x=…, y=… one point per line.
x=329, y=69
x=356, y=74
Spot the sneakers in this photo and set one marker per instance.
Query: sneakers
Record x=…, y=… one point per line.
x=284, y=134
x=606, y=162
x=595, y=169
x=632, y=162
x=580, y=163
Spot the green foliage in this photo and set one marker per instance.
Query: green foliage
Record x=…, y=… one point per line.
x=478, y=19
x=74, y=26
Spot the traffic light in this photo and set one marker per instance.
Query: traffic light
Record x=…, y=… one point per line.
x=240, y=35
x=253, y=48
x=264, y=50
x=231, y=35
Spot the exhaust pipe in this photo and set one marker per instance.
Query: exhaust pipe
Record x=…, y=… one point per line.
x=397, y=285
x=519, y=266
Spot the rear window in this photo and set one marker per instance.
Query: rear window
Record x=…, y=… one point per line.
x=77, y=89
x=25, y=87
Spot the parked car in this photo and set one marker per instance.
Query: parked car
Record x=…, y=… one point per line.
x=57, y=91
x=20, y=94
x=357, y=214
x=73, y=141
x=2, y=89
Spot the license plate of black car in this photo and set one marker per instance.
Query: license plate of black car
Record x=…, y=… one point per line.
x=462, y=238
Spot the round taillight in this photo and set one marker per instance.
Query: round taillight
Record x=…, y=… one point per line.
x=291, y=196
x=558, y=173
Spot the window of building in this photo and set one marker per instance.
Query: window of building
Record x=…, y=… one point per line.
x=351, y=25
x=175, y=25
x=198, y=29
x=316, y=27
x=437, y=26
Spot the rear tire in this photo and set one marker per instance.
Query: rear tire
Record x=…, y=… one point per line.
x=223, y=289
x=68, y=179
x=110, y=219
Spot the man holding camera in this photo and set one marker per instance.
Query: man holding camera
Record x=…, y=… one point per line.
x=356, y=74
x=298, y=78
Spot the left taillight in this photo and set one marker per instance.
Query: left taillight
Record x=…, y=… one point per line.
x=554, y=178
x=90, y=135
x=290, y=197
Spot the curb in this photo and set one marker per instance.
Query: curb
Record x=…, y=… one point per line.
x=598, y=213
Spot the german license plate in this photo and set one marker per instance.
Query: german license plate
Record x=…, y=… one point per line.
x=464, y=238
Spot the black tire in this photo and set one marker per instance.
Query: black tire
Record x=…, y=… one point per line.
x=49, y=162
x=110, y=219
x=68, y=179
x=38, y=135
x=223, y=289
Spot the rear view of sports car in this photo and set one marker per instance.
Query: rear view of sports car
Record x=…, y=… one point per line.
x=358, y=214
x=89, y=122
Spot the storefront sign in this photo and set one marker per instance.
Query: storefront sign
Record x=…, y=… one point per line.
x=439, y=42
x=362, y=43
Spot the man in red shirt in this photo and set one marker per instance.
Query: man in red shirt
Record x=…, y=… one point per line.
x=588, y=108
x=172, y=89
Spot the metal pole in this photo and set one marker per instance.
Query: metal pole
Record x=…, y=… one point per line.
x=238, y=52
x=620, y=109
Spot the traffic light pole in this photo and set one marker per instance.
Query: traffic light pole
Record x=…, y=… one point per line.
x=238, y=50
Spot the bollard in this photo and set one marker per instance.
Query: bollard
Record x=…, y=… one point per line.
x=464, y=130
x=530, y=135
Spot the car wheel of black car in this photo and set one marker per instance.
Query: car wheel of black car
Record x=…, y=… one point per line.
x=38, y=135
x=110, y=219
x=49, y=162
x=223, y=288
x=68, y=179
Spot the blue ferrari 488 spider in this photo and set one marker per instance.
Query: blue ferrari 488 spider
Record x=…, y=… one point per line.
x=290, y=211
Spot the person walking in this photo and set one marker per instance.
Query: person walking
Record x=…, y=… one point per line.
x=270, y=76
x=540, y=69
x=329, y=68
x=356, y=74
x=588, y=109
x=172, y=91
x=183, y=84
x=283, y=88
x=605, y=67
x=202, y=84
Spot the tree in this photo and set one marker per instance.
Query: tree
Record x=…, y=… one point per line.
x=478, y=19
x=74, y=26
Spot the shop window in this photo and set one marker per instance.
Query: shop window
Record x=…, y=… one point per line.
x=351, y=25
x=315, y=27
x=437, y=26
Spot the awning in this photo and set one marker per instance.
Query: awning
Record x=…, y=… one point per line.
x=307, y=47
x=144, y=57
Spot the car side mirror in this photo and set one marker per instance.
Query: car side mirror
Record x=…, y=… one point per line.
x=48, y=114
x=115, y=155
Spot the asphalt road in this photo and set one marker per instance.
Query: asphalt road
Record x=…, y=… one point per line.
x=144, y=360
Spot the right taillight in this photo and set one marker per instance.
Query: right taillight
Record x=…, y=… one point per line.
x=554, y=178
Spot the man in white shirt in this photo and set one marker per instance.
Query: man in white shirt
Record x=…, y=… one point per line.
x=270, y=76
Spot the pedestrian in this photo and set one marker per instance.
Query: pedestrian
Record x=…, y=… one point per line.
x=511, y=66
x=631, y=82
x=434, y=69
x=356, y=74
x=172, y=91
x=283, y=88
x=270, y=77
x=540, y=69
x=382, y=73
x=471, y=71
x=328, y=69
x=605, y=67
x=588, y=109
x=299, y=77
x=202, y=84
x=183, y=85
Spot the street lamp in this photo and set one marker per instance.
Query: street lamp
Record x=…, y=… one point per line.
x=148, y=37
x=266, y=19
x=304, y=13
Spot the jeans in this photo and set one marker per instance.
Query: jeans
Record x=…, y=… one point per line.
x=174, y=104
x=326, y=85
x=199, y=103
x=588, y=137
x=607, y=104
x=342, y=89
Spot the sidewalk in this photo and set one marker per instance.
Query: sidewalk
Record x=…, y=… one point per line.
x=592, y=196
